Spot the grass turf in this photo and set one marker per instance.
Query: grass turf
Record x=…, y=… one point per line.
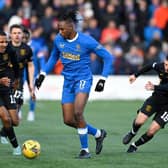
x=60, y=144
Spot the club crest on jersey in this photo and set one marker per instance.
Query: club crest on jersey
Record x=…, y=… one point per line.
x=148, y=108
x=22, y=52
x=5, y=57
x=78, y=48
x=62, y=45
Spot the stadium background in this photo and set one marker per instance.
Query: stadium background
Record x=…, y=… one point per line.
x=135, y=41
x=134, y=31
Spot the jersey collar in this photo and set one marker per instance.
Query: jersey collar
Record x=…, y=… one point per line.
x=73, y=38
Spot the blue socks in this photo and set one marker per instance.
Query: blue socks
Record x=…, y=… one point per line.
x=83, y=136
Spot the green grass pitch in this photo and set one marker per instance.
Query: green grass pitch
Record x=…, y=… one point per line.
x=60, y=144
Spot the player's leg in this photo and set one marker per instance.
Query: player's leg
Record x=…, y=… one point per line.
x=153, y=129
x=70, y=119
x=159, y=121
x=79, y=105
x=11, y=135
x=11, y=107
x=3, y=136
x=7, y=123
x=31, y=113
x=68, y=114
x=68, y=98
x=18, y=95
x=15, y=121
x=147, y=109
x=99, y=135
x=137, y=123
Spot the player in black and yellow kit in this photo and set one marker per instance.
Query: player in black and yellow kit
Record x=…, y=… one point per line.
x=24, y=59
x=8, y=79
x=156, y=104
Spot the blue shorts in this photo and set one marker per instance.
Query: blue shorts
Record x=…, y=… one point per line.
x=71, y=88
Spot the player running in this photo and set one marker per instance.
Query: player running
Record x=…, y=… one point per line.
x=74, y=48
x=156, y=105
x=8, y=80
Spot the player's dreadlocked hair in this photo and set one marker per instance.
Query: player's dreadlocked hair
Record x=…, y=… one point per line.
x=70, y=15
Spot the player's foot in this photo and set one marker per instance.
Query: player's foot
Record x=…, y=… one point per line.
x=128, y=137
x=99, y=141
x=84, y=155
x=132, y=148
x=30, y=116
x=4, y=140
x=17, y=151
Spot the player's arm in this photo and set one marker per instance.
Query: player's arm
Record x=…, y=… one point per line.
x=31, y=79
x=99, y=50
x=31, y=74
x=42, y=54
x=15, y=64
x=143, y=70
x=54, y=56
x=162, y=87
x=15, y=67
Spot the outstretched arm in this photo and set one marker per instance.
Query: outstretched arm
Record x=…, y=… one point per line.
x=48, y=67
x=107, y=59
x=146, y=68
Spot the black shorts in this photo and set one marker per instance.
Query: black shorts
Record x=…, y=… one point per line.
x=18, y=94
x=7, y=99
x=154, y=105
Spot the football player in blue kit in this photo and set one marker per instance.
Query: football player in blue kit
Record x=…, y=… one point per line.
x=40, y=52
x=73, y=49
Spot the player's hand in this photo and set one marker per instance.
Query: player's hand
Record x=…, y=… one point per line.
x=100, y=85
x=149, y=86
x=39, y=80
x=5, y=81
x=16, y=84
x=132, y=78
x=32, y=93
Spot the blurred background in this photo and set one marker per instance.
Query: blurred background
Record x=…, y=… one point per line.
x=134, y=31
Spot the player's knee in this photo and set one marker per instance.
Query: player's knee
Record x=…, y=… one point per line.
x=6, y=121
x=15, y=123
x=79, y=117
x=151, y=132
x=139, y=122
x=69, y=122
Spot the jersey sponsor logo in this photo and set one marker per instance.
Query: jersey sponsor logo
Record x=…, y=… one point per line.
x=71, y=56
x=148, y=108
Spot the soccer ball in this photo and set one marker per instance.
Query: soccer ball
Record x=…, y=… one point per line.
x=31, y=149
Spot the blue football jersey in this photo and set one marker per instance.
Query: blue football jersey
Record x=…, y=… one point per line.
x=75, y=56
